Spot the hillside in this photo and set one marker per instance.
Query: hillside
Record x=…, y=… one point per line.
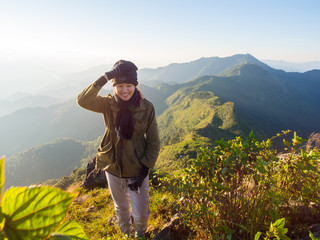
x=47, y=161
x=270, y=101
x=33, y=126
x=194, y=119
x=273, y=100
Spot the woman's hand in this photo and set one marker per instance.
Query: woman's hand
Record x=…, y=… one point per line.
x=121, y=69
x=139, y=179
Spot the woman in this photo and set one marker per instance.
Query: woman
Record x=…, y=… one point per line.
x=130, y=145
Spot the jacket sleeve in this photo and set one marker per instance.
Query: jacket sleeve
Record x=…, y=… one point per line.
x=152, y=142
x=89, y=99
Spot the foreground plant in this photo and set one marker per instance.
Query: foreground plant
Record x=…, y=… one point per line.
x=235, y=189
x=276, y=231
x=36, y=213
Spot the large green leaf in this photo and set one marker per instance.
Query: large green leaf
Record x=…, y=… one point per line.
x=34, y=212
x=69, y=230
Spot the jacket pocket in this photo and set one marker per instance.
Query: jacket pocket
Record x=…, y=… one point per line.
x=105, y=156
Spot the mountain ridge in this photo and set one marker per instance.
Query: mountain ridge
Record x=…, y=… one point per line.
x=25, y=101
x=184, y=72
x=190, y=113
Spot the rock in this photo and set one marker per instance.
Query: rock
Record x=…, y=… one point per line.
x=173, y=230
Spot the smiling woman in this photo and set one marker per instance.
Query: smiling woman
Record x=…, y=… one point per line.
x=130, y=145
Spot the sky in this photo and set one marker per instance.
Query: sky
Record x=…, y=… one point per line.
x=43, y=39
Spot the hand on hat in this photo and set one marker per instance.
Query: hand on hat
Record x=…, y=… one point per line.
x=113, y=73
x=122, y=67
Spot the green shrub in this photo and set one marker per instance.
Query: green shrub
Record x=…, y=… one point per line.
x=237, y=188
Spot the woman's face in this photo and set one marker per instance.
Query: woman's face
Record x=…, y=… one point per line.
x=124, y=90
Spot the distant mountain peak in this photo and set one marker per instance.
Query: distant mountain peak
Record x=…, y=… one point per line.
x=184, y=72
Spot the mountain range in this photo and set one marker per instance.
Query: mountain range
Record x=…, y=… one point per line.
x=292, y=66
x=196, y=103
x=184, y=72
x=24, y=100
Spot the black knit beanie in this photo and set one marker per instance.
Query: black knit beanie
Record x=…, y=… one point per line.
x=129, y=75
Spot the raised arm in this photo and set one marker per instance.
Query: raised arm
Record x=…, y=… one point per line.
x=89, y=98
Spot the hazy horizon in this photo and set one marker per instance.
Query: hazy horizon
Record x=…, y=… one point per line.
x=33, y=78
x=44, y=40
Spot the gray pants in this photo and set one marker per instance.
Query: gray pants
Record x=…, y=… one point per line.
x=122, y=196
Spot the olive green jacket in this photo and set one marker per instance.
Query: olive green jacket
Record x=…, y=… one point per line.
x=117, y=156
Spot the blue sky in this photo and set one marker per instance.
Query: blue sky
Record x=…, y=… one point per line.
x=159, y=32
x=70, y=35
